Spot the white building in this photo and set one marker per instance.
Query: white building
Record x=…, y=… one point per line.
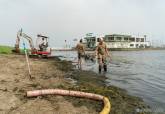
x=125, y=41
x=119, y=41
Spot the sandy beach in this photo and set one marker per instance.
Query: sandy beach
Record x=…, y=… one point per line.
x=54, y=73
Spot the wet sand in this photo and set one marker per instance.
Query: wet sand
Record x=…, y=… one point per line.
x=54, y=73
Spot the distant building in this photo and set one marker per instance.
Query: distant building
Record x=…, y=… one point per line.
x=125, y=41
x=119, y=41
x=90, y=42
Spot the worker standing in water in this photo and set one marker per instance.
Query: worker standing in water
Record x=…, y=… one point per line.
x=102, y=54
x=80, y=51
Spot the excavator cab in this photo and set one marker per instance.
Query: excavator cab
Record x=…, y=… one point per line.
x=43, y=45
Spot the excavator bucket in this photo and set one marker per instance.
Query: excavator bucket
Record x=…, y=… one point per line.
x=16, y=49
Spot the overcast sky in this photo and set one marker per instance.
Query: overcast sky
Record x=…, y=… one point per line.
x=68, y=19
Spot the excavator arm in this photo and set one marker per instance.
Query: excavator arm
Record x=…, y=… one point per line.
x=20, y=35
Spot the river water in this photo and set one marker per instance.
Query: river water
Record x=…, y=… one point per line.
x=141, y=73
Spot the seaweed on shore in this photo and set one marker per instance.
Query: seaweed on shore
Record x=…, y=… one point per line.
x=88, y=81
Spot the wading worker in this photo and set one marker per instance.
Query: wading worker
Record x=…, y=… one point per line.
x=80, y=51
x=102, y=54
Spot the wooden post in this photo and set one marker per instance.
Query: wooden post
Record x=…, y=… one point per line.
x=27, y=60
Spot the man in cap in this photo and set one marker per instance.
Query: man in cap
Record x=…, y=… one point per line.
x=102, y=54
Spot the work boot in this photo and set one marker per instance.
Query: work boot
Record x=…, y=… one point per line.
x=99, y=68
x=105, y=68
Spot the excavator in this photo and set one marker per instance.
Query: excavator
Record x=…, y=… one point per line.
x=41, y=48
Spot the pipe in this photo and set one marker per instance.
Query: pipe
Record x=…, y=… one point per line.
x=107, y=106
x=106, y=101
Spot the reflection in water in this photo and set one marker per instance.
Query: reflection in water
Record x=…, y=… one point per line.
x=141, y=73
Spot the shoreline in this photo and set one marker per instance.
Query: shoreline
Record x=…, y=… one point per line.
x=55, y=73
x=89, y=81
x=116, y=49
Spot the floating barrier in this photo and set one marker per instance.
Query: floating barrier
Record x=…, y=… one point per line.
x=107, y=105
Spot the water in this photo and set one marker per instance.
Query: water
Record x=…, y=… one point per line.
x=141, y=73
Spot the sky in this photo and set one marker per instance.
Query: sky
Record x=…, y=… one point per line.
x=69, y=19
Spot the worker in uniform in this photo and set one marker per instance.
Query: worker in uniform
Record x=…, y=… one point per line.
x=80, y=52
x=102, y=54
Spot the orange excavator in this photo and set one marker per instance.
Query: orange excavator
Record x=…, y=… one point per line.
x=41, y=44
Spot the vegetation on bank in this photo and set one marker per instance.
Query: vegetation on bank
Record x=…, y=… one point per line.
x=8, y=50
x=5, y=50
